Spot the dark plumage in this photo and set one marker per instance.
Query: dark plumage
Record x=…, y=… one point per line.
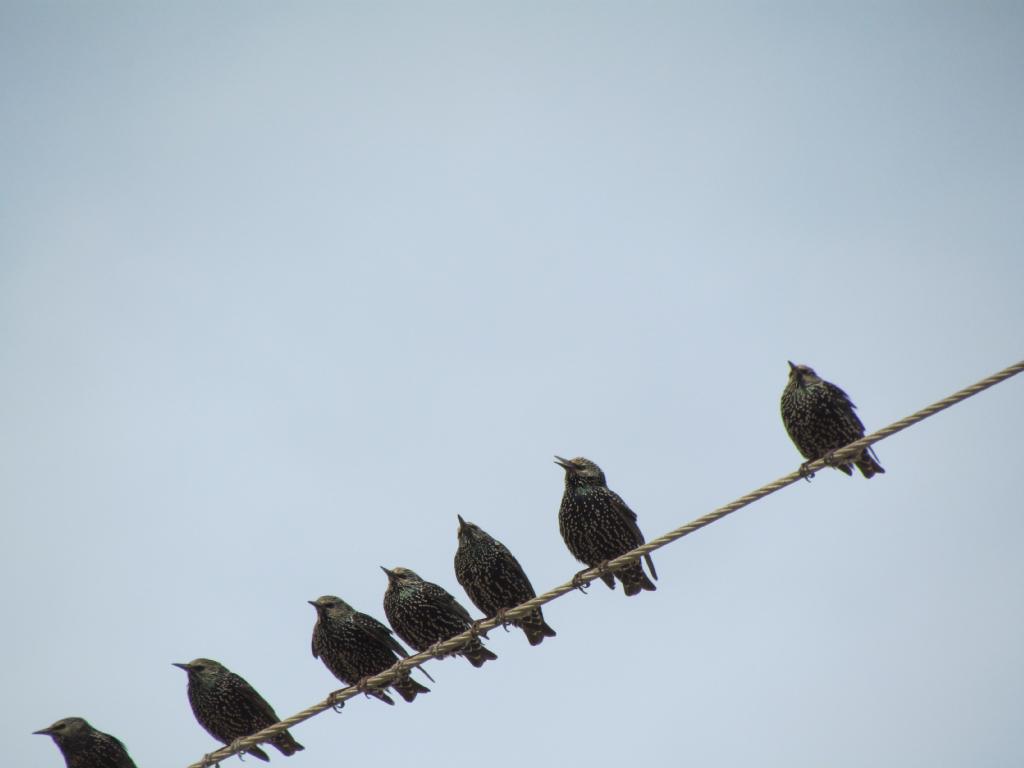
x=85, y=747
x=229, y=708
x=354, y=646
x=423, y=614
x=598, y=526
x=820, y=418
x=494, y=579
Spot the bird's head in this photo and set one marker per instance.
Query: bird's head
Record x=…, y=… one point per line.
x=329, y=604
x=468, y=532
x=802, y=375
x=399, y=575
x=66, y=730
x=581, y=471
x=202, y=669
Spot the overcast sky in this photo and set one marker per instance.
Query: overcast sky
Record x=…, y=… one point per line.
x=285, y=287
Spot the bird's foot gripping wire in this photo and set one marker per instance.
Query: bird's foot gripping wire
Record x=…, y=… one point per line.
x=436, y=652
x=830, y=459
x=579, y=582
x=499, y=617
x=208, y=759
x=332, y=699
x=475, y=630
x=805, y=471
x=362, y=685
x=237, y=749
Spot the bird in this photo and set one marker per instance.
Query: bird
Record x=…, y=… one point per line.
x=85, y=747
x=495, y=581
x=229, y=708
x=820, y=419
x=354, y=646
x=597, y=526
x=424, y=614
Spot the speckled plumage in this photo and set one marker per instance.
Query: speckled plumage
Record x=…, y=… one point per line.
x=229, y=708
x=353, y=645
x=820, y=418
x=85, y=747
x=422, y=613
x=494, y=579
x=597, y=526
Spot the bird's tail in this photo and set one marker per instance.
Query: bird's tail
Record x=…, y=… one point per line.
x=383, y=697
x=258, y=753
x=535, y=628
x=868, y=464
x=477, y=654
x=634, y=580
x=408, y=688
x=285, y=744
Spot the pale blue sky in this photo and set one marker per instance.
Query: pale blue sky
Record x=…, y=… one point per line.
x=286, y=287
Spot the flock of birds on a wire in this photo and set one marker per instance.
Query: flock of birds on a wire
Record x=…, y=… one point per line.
x=597, y=527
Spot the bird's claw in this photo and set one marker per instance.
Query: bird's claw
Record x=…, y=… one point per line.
x=579, y=583
x=435, y=650
x=332, y=699
x=208, y=758
x=233, y=746
x=805, y=471
x=362, y=685
x=475, y=630
x=499, y=617
x=830, y=459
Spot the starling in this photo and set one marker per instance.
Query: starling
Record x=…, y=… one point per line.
x=598, y=526
x=85, y=747
x=354, y=646
x=495, y=581
x=820, y=418
x=229, y=708
x=423, y=614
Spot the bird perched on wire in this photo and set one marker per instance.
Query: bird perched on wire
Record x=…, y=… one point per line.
x=85, y=747
x=597, y=526
x=424, y=614
x=495, y=581
x=820, y=419
x=229, y=708
x=354, y=646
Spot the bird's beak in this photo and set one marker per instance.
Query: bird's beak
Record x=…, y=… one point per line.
x=791, y=366
x=462, y=523
x=314, y=603
x=186, y=667
x=391, y=574
x=44, y=731
x=564, y=463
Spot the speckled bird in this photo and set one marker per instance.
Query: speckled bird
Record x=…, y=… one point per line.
x=85, y=747
x=229, y=708
x=820, y=418
x=597, y=526
x=354, y=646
x=495, y=581
x=424, y=614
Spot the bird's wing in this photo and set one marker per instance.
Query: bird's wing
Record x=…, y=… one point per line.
x=623, y=509
x=256, y=703
x=446, y=602
x=629, y=517
x=379, y=632
x=847, y=412
x=315, y=644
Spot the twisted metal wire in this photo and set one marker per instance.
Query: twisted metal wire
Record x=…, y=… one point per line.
x=402, y=667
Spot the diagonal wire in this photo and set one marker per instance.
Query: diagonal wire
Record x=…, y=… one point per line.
x=402, y=667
